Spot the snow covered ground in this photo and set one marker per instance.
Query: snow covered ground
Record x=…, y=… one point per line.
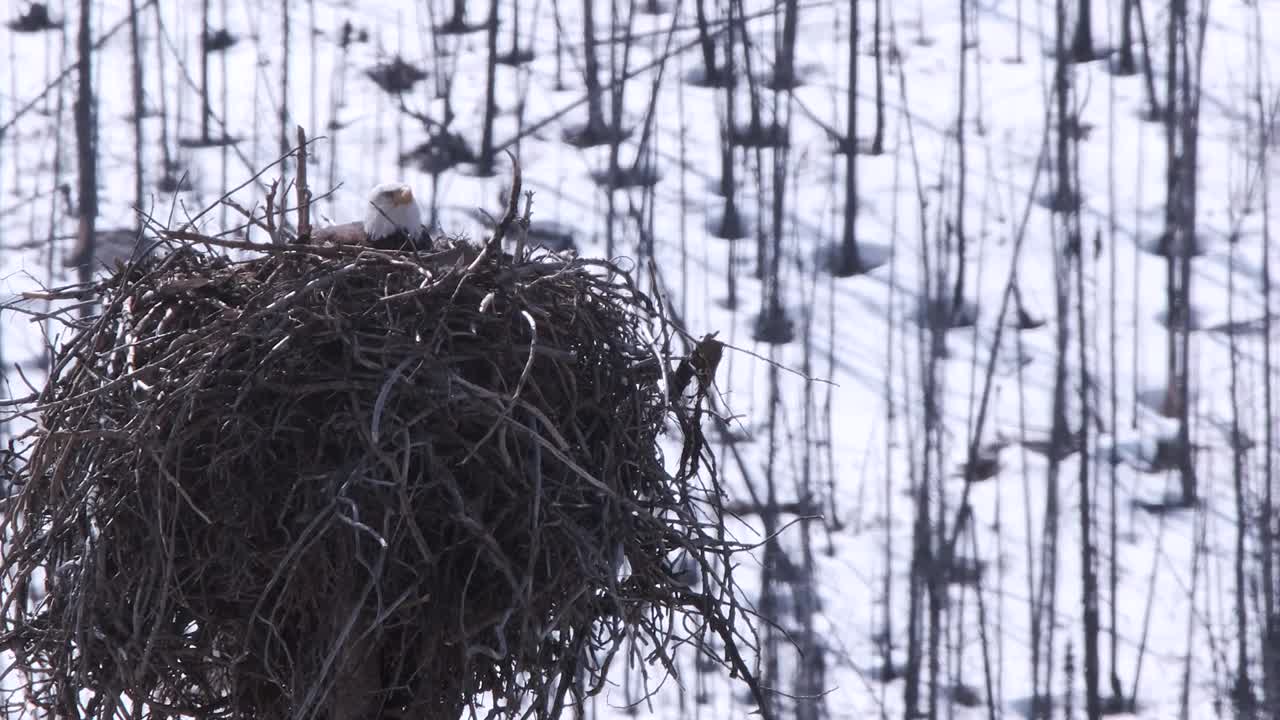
x=860, y=334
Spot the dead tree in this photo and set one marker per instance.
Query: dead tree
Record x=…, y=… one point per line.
x=86, y=123
x=484, y=164
x=850, y=262
x=1270, y=640
x=284, y=78
x=784, y=68
x=955, y=308
x=1179, y=237
x=1148, y=72
x=877, y=139
x=1044, y=608
x=1125, y=63
x=1242, y=689
x=206, y=108
x=1082, y=39
x=139, y=140
x=1088, y=555
x=707, y=46
x=1271, y=630
x=595, y=132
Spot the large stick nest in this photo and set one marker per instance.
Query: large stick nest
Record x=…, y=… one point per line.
x=349, y=483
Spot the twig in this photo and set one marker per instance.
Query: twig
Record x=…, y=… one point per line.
x=249, y=215
x=304, y=195
x=271, y=215
x=524, y=223
x=513, y=202
x=335, y=251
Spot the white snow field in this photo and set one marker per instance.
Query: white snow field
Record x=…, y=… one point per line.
x=854, y=432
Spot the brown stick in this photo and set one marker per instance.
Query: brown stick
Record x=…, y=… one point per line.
x=271, y=215
x=513, y=202
x=523, y=236
x=304, y=194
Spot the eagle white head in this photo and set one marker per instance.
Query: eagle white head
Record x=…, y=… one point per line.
x=391, y=210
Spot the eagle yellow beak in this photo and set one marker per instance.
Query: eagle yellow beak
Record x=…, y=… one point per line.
x=402, y=196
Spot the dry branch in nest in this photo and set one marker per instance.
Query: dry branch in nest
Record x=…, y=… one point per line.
x=349, y=483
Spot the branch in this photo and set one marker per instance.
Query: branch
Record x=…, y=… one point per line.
x=513, y=201
x=304, y=195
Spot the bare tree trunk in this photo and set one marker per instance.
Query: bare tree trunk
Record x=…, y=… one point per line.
x=595, y=109
x=773, y=324
x=484, y=164
x=756, y=125
x=313, y=72
x=167, y=160
x=1088, y=563
x=1068, y=679
x=1182, y=129
x=86, y=122
x=731, y=226
x=284, y=77
x=1060, y=433
x=921, y=559
x=784, y=71
x=850, y=262
x=1043, y=623
x=205, y=107
x=515, y=55
x=457, y=22
x=1271, y=623
x=1062, y=442
x=706, y=44
x=922, y=575
x=558, y=83
x=1173, y=240
x=1242, y=691
x=877, y=139
x=139, y=141
x=1063, y=199
x=941, y=555
x=1082, y=40
x=1148, y=73
x=888, y=669
x=1017, y=45
x=936, y=582
x=617, y=83
x=811, y=679
x=1126, y=64
x=1116, y=698
x=988, y=673
x=957, y=298
x=772, y=550
x=1193, y=614
x=1192, y=82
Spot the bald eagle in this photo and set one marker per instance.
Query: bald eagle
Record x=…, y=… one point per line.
x=392, y=221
